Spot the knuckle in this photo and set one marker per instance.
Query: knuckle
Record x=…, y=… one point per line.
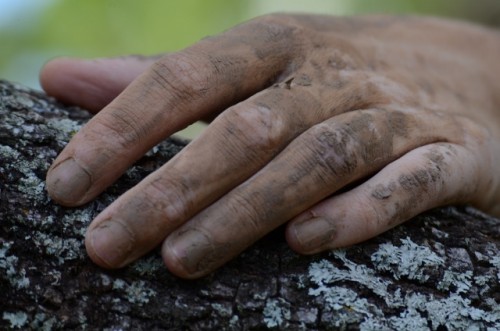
x=166, y=199
x=333, y=149
x=371, y=216
x=120, y=127
x=273, y=39
x=257, y=127
x=421, y=180
x=474, y=132
x=181, y=75
x=276, y=23
x=247, y=209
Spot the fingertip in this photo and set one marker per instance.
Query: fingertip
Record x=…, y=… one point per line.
x=174, y=263
x=57, y=73
x=92, y=253
x=91, y=84
x=73, y=81
x=311, y=236
x=48, y=75
x=189, y=253
x=293, y=240
x=68, y=182
x=109, y=244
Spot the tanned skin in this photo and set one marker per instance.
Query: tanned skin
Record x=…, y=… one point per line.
x=340, y=127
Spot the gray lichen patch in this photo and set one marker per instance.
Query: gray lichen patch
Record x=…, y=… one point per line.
x=17, y=320
x=63, y=249
x=461, y=281
x=148, y=265
x=408, y=260
x=17, y=167
x=495, y=261
x=418, y=310
x=9, y=264
x=137, y=292
x=276, y=313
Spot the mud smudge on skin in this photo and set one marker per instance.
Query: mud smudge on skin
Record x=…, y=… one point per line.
x=383, y=192
x=399, y=123
x=415, y=181
x=336, y=154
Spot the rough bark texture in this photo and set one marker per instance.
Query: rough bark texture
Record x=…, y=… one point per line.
x=440, y=271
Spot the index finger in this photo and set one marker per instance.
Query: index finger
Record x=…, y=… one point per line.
x=176, y=91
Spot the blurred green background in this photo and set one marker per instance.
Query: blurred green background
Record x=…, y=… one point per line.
x=33, y=31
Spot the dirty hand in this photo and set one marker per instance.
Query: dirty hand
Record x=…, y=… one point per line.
x=342, y=127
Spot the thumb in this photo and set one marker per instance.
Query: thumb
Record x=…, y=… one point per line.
x=91, y=84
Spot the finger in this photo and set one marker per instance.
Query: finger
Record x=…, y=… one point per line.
x=176, y=91
x=427, y=177
x=322, y=160
x=91, y=84
x=237, y=144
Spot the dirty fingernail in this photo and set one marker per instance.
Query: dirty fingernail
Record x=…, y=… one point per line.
x=192, y=252
x=68, y=182
x=111, y=242
x=314, y=234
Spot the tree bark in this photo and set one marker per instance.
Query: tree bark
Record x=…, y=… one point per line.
x=440, y=271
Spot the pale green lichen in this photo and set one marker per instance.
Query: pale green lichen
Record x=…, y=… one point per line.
x=9, y=152
x=276, y=313
x=148, y=266
x=234, y=321
x=222, y=310
x=340, y=298
x=409, y=319
x=418, y=310
x=24, y=100
x=64, y=128
x=301, y=281
x=17, y=320
x=137, y=292
x=119, y=284
x=32, y=186
x=29, y=184
x=462, y=281
x=105, y=280
x=8, y=263
x=495, y=261
x=407, y=260
x=61, y=248
x=455, y=313
x=77, y=222
x=482, y=280
x=42, y=323
x=351, y=307
x=355, y=272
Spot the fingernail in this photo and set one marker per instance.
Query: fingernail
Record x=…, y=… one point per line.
x=193, y=250
x=314, y=234
x=111, y=242
x=68, y=182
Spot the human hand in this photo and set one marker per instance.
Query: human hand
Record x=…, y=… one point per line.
x=342, y=127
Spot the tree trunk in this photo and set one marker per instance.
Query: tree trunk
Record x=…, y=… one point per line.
x=440, y=271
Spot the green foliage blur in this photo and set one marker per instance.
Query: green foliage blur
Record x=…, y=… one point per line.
x=38, y=30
